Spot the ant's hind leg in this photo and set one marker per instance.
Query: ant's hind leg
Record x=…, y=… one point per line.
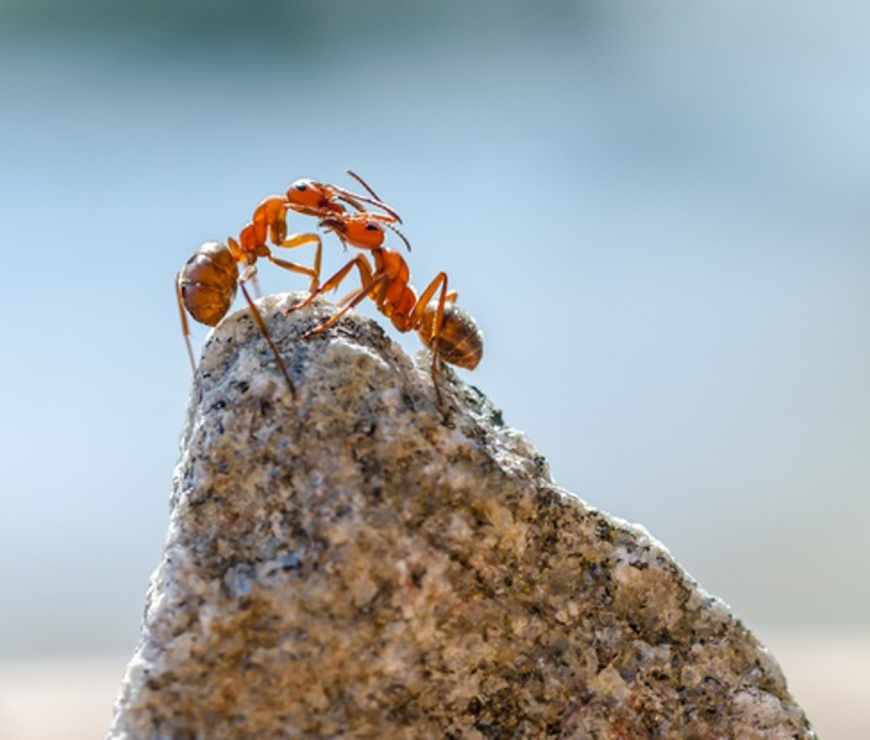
x=417, y=317
x=261, y=324
x=185, y=327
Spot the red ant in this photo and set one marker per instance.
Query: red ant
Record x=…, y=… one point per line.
x=451, y=333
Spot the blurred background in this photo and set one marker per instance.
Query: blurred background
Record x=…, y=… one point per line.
x=659, y=213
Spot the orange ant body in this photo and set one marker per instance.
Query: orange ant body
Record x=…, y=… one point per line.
x=206, y=286
x=451, y=333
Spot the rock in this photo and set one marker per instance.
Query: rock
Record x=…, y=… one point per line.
x=360, y=562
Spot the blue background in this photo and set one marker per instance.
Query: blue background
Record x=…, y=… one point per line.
x=658, y=213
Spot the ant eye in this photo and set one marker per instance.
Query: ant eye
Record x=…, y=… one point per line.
x=301, y=187
x=372, y=227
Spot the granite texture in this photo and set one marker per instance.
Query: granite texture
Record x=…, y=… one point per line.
x=364, y=563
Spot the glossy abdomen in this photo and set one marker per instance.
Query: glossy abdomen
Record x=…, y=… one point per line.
x=461, y=341
x=208, y=282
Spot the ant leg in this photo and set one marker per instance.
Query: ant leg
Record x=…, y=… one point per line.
x=352, y=300
x=297, y=240
x=426, y=296
x=313, y=274
x=335, y=280
x=185, y=327
x=417, y=315
x=248, y=274
x=255, y=284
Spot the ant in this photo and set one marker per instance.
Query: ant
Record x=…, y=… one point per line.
x=206, y=286
x=450, y=332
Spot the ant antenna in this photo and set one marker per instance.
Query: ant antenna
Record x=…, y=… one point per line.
x=401, y=235
x=364, y=184
x=376, y=201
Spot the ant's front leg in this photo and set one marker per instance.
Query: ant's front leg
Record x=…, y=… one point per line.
x=298, y=240
x=380, y=279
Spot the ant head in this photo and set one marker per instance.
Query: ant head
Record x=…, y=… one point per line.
x=362, y=230
x=308, y=194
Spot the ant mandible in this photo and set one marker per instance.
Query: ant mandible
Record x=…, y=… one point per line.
x=450, y=332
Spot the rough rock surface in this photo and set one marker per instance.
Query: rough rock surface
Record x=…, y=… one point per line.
x=361, y=563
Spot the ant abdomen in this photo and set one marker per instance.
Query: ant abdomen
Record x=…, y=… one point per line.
x=460, y=342
x=208, y=282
